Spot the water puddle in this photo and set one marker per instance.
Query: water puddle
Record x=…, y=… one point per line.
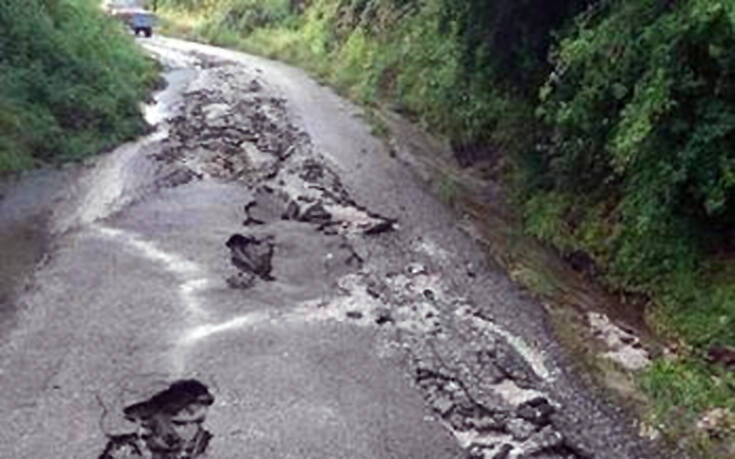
x=26, y=201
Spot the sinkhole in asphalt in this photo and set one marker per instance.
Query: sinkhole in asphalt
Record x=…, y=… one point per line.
x=169, y=424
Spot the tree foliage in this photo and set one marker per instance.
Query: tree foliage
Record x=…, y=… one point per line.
x=512, y=37
x=641, y=111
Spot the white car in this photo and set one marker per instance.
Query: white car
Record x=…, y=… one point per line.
x=133, y=13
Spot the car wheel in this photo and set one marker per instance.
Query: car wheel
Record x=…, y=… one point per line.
x=136, y=31
x=148, y=32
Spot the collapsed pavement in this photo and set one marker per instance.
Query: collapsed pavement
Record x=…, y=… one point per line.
x=490, y=389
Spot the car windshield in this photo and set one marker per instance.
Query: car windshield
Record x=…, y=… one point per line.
x=127, y=3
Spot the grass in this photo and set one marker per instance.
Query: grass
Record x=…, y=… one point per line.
x=681, y=391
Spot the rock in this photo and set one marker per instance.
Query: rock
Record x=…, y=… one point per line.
x=291, y=212
x=180, y=176
x=457, y=421
x=383, y=316
x=476, y=451
x=312, y=171
x=373, y=290
x=490, y=451
x=380, y=227
x=502, y=452
x=316, y=213
x=648, y=431
x=252, y=255
x=285, y=153
x=488, y=374
x=536, y=411
x=624, y=347
x=241, y=280
x=328, y=229
x=515, y=367
x=520, y=428
x=265, y=207
x=214, y=111
x=414, y=269
x=715, y=421
x=215, y=124
x=486, y=423
x=443, y=404
x=354, y=260
x=254, y=86
x=547, y=438
x=249, y=219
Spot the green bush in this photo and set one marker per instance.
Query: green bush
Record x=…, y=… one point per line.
x=510, y=39
x=70, y=82
x=245, y=16
x=641, y=108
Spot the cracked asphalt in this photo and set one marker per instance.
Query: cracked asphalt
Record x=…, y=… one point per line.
x=367, y=324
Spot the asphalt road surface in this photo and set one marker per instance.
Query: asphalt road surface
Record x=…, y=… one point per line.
x=350, y=317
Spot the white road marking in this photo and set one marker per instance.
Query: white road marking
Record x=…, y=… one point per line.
x=192, y=283
x=533, y=357
x=201, y=332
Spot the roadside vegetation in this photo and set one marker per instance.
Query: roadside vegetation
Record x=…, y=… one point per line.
x=616, y=119
x=71, y=81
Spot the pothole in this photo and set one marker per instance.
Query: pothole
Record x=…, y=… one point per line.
x=167, y=425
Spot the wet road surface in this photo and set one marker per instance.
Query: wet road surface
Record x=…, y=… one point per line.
x=383, y=333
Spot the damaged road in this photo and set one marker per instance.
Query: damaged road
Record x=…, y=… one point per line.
x=263, y=242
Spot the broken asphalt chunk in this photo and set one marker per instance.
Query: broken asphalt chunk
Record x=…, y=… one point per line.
x=252, y=255
x=382, y=226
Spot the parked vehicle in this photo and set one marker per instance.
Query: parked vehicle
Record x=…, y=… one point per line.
x=133, y=13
